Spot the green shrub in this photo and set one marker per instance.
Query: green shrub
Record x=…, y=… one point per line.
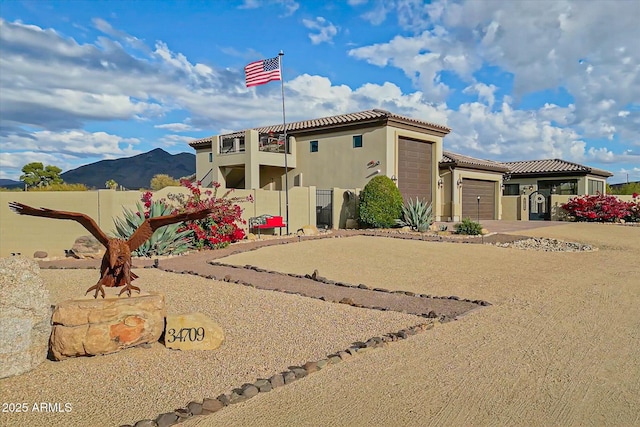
x=159, y=181
x=468, y=227
x=166, y=240
x=380, y=203
x=626, y=189
x=416, y=215
x=60, y=187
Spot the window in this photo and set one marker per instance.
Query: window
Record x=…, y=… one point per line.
x=511, y=190
x=210, y=157
x=314, y=146
x=357, y=141
x=596, y=187
x=567, y=187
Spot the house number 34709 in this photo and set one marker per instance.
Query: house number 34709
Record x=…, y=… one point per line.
x=185, y=334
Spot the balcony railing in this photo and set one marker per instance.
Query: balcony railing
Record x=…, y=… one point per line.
x=232, y=145
x=270, y=143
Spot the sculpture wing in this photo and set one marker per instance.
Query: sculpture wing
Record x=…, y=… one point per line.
x=145, y=231
x=86, y=221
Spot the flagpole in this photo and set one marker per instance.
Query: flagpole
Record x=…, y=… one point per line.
x=286, y=148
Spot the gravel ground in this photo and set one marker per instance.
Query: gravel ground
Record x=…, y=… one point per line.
x=559, y=346
x=265, y=333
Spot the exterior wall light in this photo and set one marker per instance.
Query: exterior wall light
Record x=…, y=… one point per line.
x=440, y=183
x=459, y=182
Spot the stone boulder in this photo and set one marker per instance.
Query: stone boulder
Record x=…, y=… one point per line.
x=87, y=247
x=308, y=230
x=193, y=331
x=88, y=326
x=351, y=223
x=25, y=316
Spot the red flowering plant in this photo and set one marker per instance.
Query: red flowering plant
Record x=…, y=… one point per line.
x=216, y=230
x=597, y=208
x=633, y=208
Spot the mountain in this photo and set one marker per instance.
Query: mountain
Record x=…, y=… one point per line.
x=9, y=183
x=133, y=172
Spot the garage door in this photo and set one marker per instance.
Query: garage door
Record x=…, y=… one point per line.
x=414, y=169
x=471, y=189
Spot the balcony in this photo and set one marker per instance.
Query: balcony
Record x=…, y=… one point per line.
x=252, y=150
x=268, y=143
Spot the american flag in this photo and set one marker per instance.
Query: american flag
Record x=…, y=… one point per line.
x=261, y=72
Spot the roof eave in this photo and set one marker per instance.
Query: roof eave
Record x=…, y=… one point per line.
x=440, y=130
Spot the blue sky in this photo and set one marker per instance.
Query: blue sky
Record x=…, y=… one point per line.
x=82, y=81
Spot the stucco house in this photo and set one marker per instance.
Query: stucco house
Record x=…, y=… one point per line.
x=347, y=150
x=541, y=179
x=342, y=151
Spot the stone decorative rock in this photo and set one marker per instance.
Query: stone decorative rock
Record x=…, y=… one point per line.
x=25, y=316
x=88, y=326
x=308, y=230
x=277, y=380
x=193, y=331
x=210, y=406
x=351, y=224
x=40, y=254
x=88, y=247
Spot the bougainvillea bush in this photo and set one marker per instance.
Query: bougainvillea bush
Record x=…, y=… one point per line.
x=216, y=230
x=602, y=208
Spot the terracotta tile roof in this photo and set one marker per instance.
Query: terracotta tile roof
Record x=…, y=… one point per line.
x=374, y=115
x=547, y=166
x=460, y=160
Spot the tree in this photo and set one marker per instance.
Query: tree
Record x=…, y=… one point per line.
x=35, y=174
x=158, y=182
x=111, y=184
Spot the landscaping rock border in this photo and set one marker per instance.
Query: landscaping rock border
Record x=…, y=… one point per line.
x=247, y=391
x=315, y=277
x=547, y=245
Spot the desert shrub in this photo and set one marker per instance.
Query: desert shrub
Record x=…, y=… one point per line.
x=60, y=187
x=380, y=203
x=600, y=208
x=626, y=189
x=159, y=181
x=167, y=240
x=11, y=189
x=416, y=215
x=468, y=227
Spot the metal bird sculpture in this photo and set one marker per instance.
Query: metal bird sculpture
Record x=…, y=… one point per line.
x=115, y=270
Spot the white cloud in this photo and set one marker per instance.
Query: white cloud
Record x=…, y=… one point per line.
x=75, y=142
x=176, y=127
x=11, y=163
x=356, y=2
x=568, y=45
x=378, y=14
x=290, y=6
x=326, y=31
x=57, y=84
x=486, y=93
x=172, y=140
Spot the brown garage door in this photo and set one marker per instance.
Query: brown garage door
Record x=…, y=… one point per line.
x=471, y=189
x=414, y=169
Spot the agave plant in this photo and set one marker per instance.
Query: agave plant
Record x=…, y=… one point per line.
x=165, y=241
x=416, y=215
